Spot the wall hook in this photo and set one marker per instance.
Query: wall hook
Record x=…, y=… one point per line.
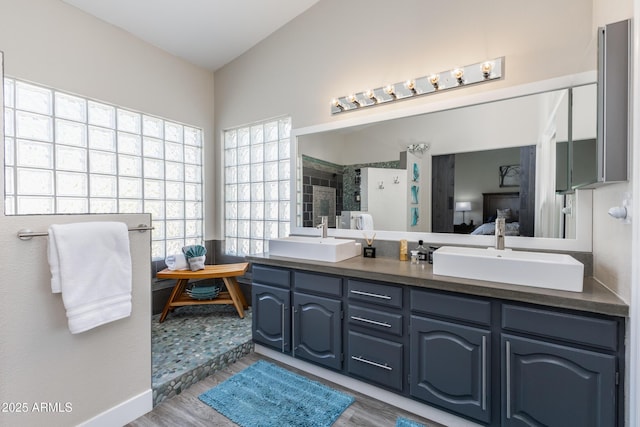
x=623, y=212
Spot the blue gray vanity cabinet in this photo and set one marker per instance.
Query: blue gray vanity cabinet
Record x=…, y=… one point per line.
x=451, y=353
x=375, y=344
x=495, y=361
x=299, y=313
x=271, y=303
x=317, y=318
x=558, y=369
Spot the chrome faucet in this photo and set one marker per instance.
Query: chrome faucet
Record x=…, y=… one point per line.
x=500, y=232
x=323, y=225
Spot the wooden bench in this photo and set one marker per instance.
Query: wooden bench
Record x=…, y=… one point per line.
x=226, y=272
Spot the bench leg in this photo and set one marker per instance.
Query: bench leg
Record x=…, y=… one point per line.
x=178, y=289
x=236, y=295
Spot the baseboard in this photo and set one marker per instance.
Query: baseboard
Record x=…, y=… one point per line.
x=123, y=413
x=388, y=397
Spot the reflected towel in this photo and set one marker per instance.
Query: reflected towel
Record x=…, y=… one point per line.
x=91, y=266
x=176, y=262
x=364, y=222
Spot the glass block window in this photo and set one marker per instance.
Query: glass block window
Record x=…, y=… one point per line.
x=257, y=185
x=65, y=154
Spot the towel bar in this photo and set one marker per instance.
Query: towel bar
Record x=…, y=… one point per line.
x=26, y=234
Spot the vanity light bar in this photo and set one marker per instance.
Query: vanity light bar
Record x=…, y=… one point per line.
x=458, y=77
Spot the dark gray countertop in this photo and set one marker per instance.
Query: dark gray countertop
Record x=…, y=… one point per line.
x=594, y=298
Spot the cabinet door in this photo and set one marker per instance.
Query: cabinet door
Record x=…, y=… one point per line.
x=317, y=329
x=450, y=366
x=271, y=316
x=553, y=385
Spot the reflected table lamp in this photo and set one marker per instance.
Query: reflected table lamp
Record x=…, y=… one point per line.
x=463, y=207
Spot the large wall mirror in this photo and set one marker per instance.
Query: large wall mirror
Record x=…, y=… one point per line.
x=444, y=175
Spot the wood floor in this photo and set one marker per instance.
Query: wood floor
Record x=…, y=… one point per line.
x=187, y=410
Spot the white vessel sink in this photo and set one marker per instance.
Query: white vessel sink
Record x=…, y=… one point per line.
x=543, y=270
x=315, y=248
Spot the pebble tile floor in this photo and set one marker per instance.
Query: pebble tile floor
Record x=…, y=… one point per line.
x=194, y=342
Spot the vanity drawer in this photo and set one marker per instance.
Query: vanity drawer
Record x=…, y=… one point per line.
x=375, y=359
x=318, y=283
x=592, y=331
x=377, y=320
x=270, y=276
x=390, y=296
x=451, y=306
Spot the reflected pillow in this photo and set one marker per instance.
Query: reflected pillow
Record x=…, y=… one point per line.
x=505, y=213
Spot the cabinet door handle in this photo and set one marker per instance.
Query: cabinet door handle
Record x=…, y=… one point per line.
x=368, y=294
x=282, y=329
x=373, y=322
x=369, y=362
x=508, y=379
x=484, y=373
x=293, y=331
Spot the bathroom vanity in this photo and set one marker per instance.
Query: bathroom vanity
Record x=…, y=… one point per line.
x=496, y=354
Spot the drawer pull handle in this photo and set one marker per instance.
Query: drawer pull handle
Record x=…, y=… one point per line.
x=373, y=322
x=369, y=362
x=368, y=294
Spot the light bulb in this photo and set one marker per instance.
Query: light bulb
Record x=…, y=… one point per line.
x=434, y=79
x=411, y=85
x=336, y=103
x=486, y=68
x=390, y=91
x=371, y=95
x=352, y=99
x=458, y=73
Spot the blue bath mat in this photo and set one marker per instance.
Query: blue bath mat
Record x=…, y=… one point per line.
x=267, y=395
x=405, y=422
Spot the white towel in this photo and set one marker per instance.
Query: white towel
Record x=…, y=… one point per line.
x=176, y=262
x=91, y=266
x=365, y=222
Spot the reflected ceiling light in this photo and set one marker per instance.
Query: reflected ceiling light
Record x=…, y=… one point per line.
x=481, y=72
x=418, y=148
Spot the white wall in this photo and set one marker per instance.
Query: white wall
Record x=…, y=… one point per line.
x=49, y=42
x=106, y=370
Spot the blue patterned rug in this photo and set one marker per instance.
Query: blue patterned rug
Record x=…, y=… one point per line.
x=267, y=395
x=405, y=422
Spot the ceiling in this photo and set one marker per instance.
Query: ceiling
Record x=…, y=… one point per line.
x=208, y=33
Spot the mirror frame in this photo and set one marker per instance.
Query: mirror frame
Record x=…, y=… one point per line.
x=584, y=197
